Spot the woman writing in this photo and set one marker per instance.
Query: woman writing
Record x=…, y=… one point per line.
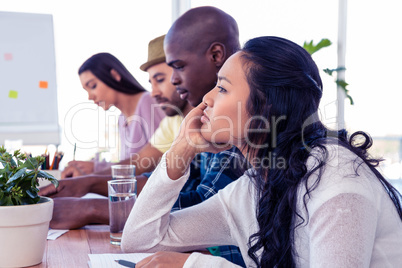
x=108, y=83
x=312, y=197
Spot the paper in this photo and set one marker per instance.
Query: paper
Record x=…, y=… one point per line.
x=94, y=196
x=107, y=260
x=8, y=56
x=43, y=84
x=12, y=94
x=53, y=234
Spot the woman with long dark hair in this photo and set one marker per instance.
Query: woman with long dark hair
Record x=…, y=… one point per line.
x=108, y=83
x=311, y=198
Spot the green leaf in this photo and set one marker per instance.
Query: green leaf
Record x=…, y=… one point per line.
x=7, y=159
x=20, y=173
x=311, y=48
x=350, y=99
x=30, y=163
x=43, y=174
x=31, y=174
x=8, y=189
x=32, y=194
x=4, y=170
x=330, y=71
x=342, y=84
x=55, y=183
x=34, y=183
x=13, y=162
x=52, y=179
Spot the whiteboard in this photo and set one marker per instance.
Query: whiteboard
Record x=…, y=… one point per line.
x=28, y=89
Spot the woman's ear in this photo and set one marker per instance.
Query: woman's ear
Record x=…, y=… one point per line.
x=116, y=76
x=217, y=52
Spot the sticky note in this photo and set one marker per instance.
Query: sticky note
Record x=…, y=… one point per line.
x=8, y=56
x=12, y=94
x=43, y=84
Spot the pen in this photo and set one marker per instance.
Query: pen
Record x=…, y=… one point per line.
x=52, y=166
x=126, y=263
x=75, y=148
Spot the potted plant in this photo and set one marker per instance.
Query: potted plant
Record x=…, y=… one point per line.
x=24, y=215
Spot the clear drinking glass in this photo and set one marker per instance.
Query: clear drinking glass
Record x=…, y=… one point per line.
x=122, y=196
x=120, y=172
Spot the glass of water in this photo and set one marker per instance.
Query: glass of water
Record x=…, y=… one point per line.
x=122, y=195
x=120, y=172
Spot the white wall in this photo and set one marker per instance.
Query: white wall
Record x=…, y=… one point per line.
x=124, y=27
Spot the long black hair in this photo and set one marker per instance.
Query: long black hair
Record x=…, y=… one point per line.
x=285, y=91
x=101, y=65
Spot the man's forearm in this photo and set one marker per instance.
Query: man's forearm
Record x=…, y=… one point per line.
x=99, y=211
x=98, y=184
x=145, y=160
x=108, y=171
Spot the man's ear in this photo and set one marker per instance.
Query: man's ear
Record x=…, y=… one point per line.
x=217, y=52
x=116, y=76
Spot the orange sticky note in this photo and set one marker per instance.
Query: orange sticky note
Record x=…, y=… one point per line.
x=12, y=94
x=8, y=56
x=43, y=84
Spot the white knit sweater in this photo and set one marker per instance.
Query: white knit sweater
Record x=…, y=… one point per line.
x=351, y=219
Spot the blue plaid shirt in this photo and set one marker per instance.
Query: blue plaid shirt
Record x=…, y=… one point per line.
x=208, y=174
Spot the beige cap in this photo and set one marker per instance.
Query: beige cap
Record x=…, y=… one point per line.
x=155, y=53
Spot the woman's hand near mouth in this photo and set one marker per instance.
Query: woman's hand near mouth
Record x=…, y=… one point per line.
x=190, y=142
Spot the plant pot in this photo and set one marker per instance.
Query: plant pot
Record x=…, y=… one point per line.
x=23, y=233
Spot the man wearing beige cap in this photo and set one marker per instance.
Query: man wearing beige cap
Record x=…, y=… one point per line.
x=166, y=96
